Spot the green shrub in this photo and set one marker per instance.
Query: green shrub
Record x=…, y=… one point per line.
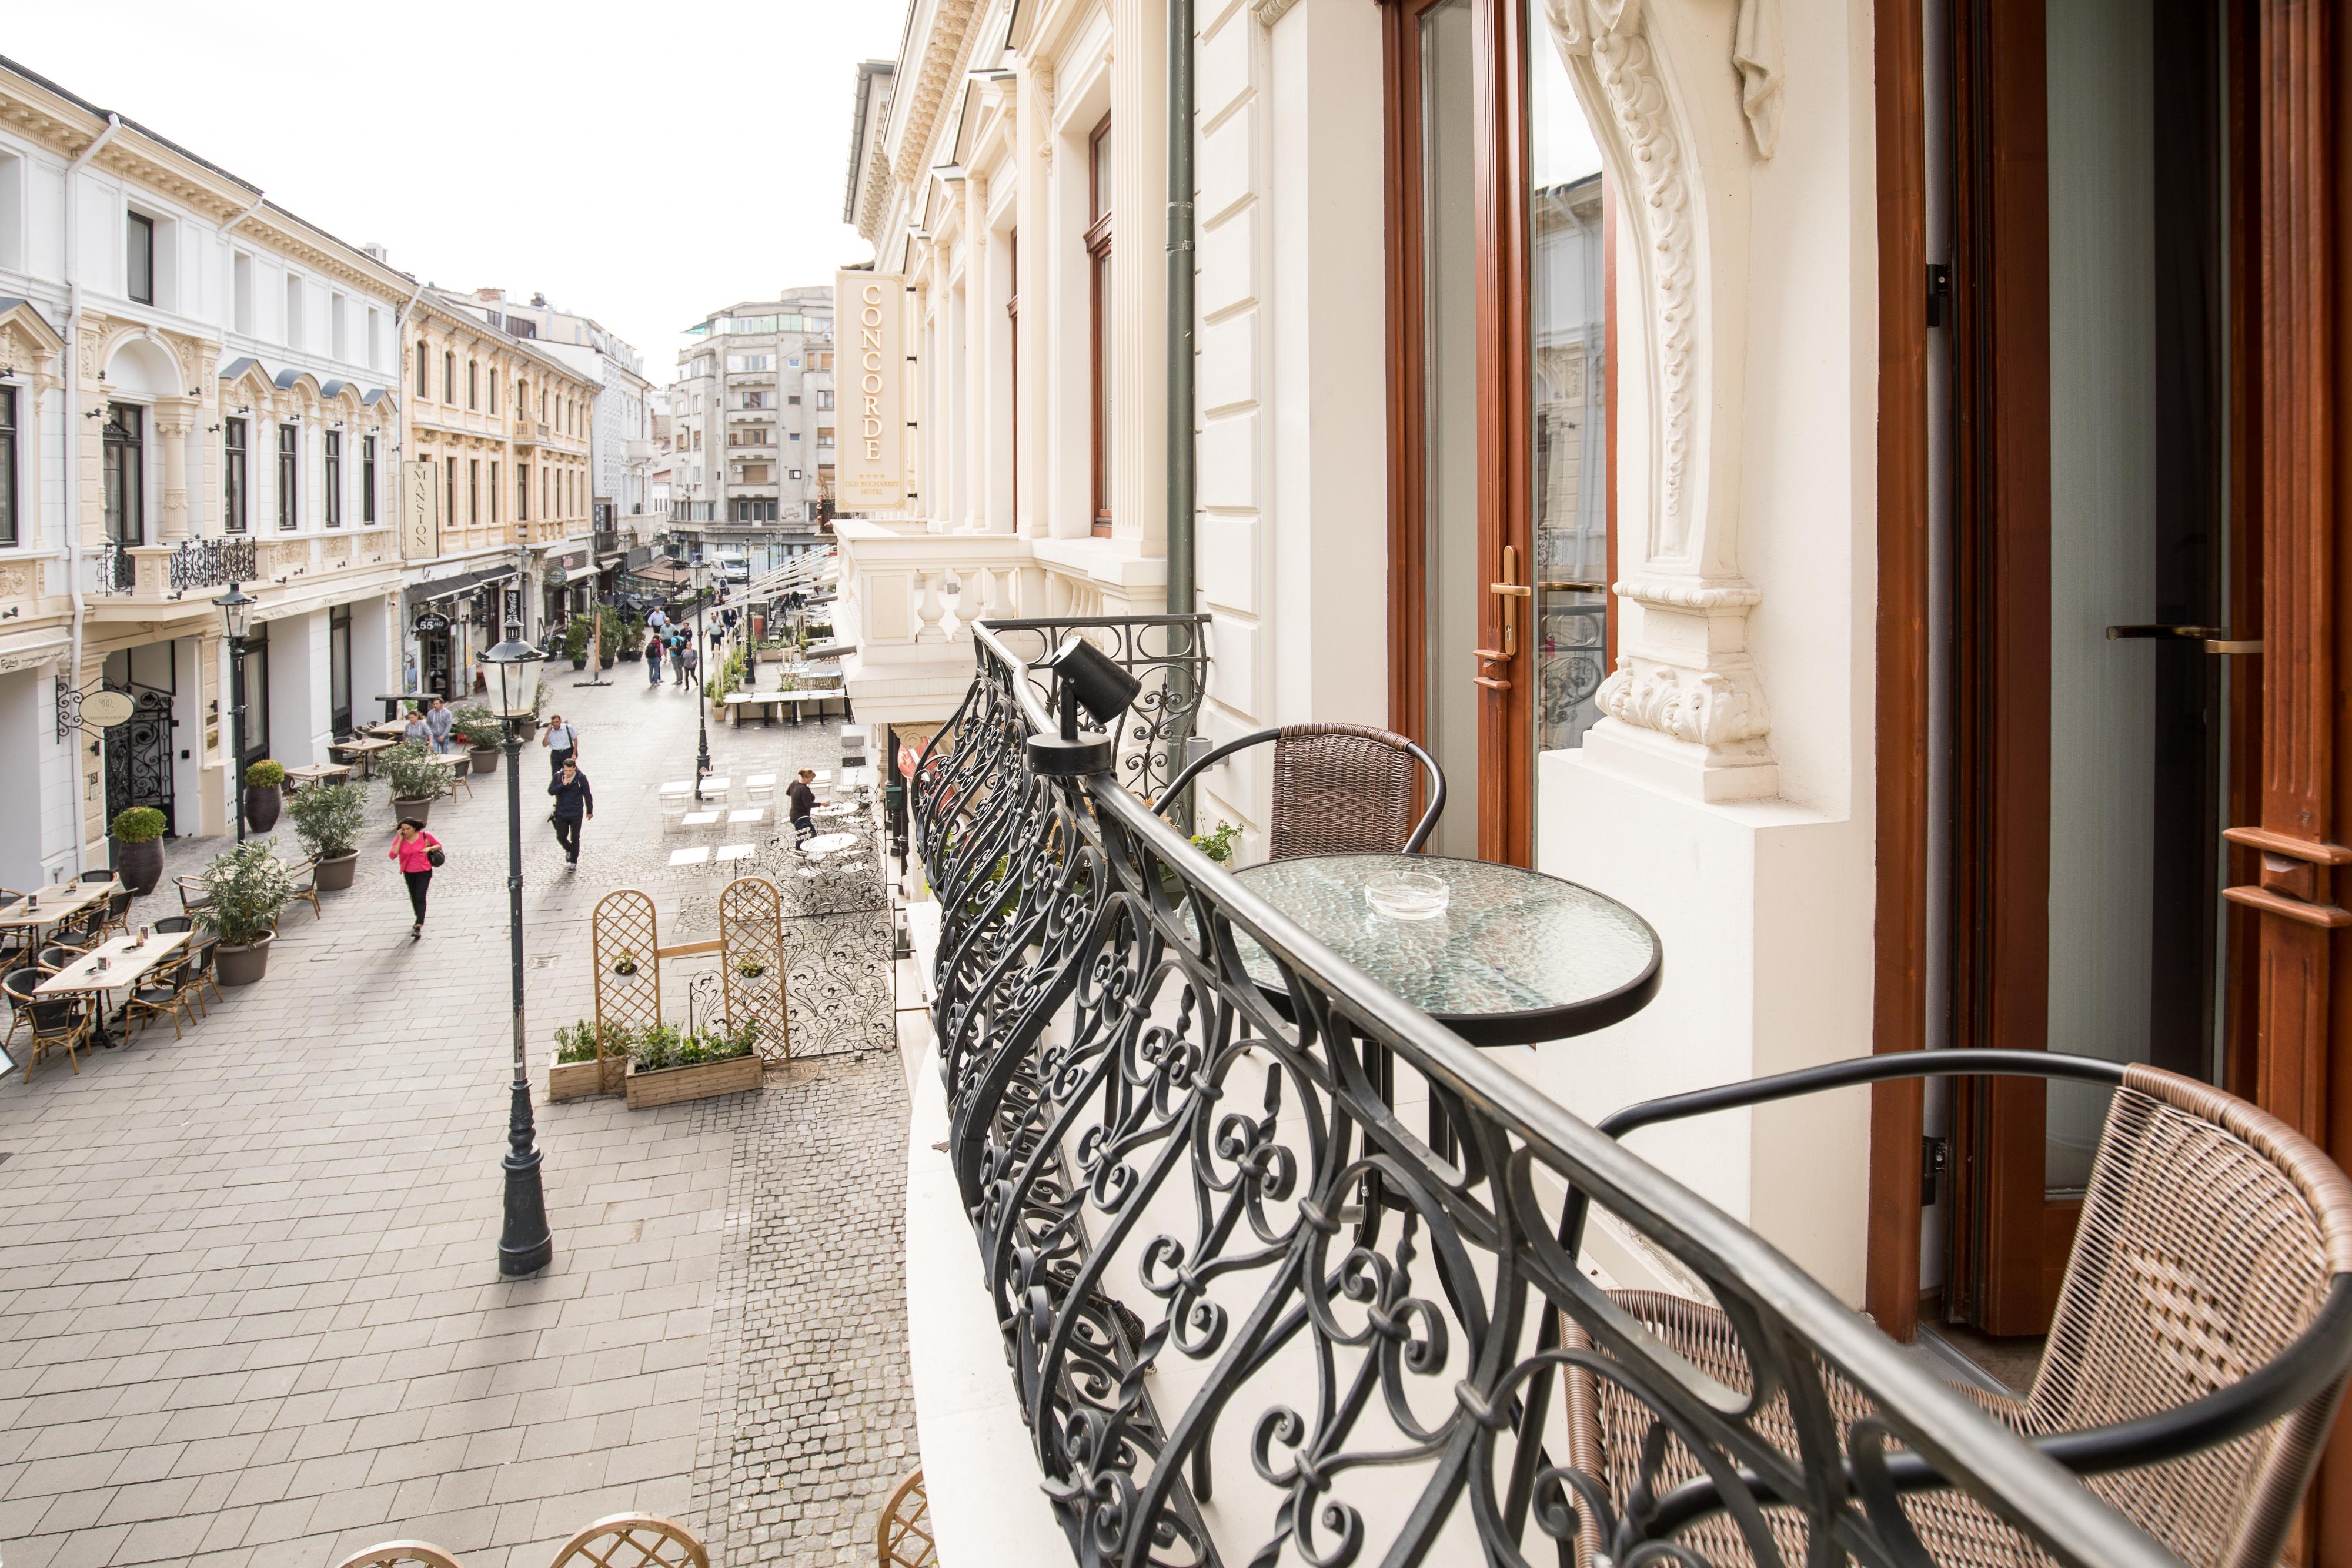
x=482, y=729
x=666, y=1045
x=245, y=889
x=1218, y=845
x=577, y=1041
x=137, y=825
x=265, y=775
x=414, y=775
x=575, y=637
x=327, y=819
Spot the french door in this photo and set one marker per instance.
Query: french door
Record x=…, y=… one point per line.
x=1498, y=344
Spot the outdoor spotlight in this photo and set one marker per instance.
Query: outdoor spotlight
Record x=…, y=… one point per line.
x=1083, y=677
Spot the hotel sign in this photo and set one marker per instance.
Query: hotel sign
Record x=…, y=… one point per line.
x=870, y=373
x=420, y=512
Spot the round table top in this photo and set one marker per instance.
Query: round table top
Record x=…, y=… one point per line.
x=827, y=844
x=1517, y=956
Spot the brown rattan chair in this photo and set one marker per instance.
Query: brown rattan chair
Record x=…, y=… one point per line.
x=194, y=893
x=304, y=875
x=902, y=1536
x=1339, y=788
x=2211, y=1237
x=63, y=1020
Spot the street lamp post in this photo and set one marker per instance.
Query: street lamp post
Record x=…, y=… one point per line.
x=702, y=696
x=237, y=622
x=524, y=1244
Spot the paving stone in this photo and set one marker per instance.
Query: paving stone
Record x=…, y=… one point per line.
x=249, y=1306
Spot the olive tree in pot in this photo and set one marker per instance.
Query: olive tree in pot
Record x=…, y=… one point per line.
x=245, y=889
x=139, y=847
x=262, y=796
x=327, y=818
x=416, y=781
x=483, y=734
x=576, y=642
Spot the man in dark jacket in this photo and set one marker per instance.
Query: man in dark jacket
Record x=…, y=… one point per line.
x=803, y=801
x=573, y=804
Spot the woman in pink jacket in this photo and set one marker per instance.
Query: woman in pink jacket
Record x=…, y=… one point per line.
x=414, y=848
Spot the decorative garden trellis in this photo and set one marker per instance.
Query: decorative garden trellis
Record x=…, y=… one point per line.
x=624, y=935
x=752, y=961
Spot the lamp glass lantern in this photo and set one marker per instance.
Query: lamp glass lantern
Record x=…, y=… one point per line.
x=518, y=663
x=236, y=611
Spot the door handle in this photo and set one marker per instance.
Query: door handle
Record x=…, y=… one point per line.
x=2216, y=638
x=1511, y=593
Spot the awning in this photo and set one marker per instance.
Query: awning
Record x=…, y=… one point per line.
x=668, y=572
x=459, y=586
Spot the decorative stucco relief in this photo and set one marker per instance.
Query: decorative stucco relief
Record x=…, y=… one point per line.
x=1756, y=52
x=1707, y=708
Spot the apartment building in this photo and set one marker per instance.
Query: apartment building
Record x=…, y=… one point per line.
x=499, y=482
x=619, y=427
x=197, y=387
x=754, y=426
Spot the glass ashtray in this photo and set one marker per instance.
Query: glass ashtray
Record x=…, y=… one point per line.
x=1408, y=895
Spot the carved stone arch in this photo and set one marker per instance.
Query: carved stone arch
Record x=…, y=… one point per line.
x=139, y=358
x=1684, y=706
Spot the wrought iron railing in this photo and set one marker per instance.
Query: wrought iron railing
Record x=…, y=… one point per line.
x=1250, y=1315
x=214, y=563
x=1169, y=654
x=118, y=569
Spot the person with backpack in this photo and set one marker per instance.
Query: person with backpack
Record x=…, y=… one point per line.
x=574, y=803
x=418, y=852
x=653, y=659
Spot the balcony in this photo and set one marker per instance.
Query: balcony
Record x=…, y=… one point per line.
x=532, y=433
x=1238, y=1308
x=161, y=573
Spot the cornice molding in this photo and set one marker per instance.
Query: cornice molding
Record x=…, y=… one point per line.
x=942, y=56
x=1269, y=11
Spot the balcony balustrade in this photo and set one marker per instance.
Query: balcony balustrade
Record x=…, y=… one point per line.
x=1250, y=1315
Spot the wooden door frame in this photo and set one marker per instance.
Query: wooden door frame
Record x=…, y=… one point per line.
x=1506, y=795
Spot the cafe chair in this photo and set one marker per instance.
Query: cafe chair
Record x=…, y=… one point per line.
x=57, y=1021
x=194, y=893
x=58, y=956
x=162, y=992
x=97, y=873
x=2212, y=1237
x=20, y=1013
x=111, y=917
x=199, y=974
x=304, y=875
x=1339, y=788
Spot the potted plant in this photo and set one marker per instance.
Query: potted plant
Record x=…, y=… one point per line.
x=416, y=781
x=625, y=963
x=633, y=638
x=609, y=619
x=668, y=1066
x=577, y=1068
x=263, y=781
x=576, y=642
x=138, y=848
x=750, y=968
x=482, y=735
x=327, y=819
x=244, y=890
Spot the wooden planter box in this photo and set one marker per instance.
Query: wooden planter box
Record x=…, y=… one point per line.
x=672, y=1085
x=578, y=1080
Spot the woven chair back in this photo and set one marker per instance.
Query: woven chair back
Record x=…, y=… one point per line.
x=1340, y=789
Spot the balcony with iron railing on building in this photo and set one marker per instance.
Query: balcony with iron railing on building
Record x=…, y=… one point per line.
x=1219, y=1250
x=131, y=580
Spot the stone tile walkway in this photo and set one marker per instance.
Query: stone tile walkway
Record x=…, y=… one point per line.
x=249, y=1306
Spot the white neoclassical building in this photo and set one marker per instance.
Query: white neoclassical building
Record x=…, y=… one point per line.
x=198, y=387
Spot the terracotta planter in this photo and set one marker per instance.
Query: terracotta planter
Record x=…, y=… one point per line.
x=485, y=757
x=411, y=810
x=241, y=966
x=139, y=866
x=335, y=875
x=673, y=1085
x=262, y=803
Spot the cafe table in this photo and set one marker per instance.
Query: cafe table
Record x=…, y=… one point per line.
x=1515, y=957
x=128, y=960
x=318, y=773
x=59, y=901
x=365, y=750
x=765, y=701
x=391, y=729
x=460, y=766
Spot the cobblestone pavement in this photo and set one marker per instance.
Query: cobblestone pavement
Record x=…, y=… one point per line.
x=249, y=1306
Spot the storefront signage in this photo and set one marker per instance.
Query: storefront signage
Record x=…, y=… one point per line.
x=869, y=314
x=432, y=623
x=106, y=709
x=420, y=512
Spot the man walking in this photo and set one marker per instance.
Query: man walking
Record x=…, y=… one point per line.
x=563, y=743
x=438, y=721
x=803, y=802
x=574, y=803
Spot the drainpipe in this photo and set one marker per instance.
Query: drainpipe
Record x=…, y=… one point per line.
x=1180, y=448
x=398, y=640
x=74, y=557
x=1180, y=307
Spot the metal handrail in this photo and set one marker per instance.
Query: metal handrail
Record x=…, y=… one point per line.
x=1103, y=1045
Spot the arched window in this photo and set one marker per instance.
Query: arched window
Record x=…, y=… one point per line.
x=449, y=377
x=424, y=370
x=473, y=383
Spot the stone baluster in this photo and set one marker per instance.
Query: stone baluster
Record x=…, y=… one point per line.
x=929, y=610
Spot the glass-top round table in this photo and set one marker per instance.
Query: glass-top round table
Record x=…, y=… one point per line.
x=1515, y=957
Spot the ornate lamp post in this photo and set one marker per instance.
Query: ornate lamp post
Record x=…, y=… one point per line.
x=524, y=1245
x=701, y=697
x=236, y=622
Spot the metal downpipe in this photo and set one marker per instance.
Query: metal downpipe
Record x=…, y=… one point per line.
x=1182, y=475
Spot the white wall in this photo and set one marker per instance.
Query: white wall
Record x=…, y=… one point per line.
x=21, y=762
x=299, y=715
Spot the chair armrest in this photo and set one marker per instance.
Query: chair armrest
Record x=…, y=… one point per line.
x=1966, y=1064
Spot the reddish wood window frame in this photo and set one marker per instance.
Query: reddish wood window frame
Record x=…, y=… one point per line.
x=1099, y=281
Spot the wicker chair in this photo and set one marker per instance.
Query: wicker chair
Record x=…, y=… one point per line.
x=113, y=916
x=193, y=892
x=58, y=955
x=902, y=1536
x=304, y=875
x=1339, y=788
x=63, y=1021
x=2211, y=1238
x=197, y=972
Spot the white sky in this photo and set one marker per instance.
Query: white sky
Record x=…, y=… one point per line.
x=712, y=148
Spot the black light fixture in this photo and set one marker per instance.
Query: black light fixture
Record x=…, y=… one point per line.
x=525, y=1245
x=1084, y=677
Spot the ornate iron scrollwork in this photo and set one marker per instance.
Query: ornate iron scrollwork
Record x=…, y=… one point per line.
x=214, y=563
x=1209, y=1227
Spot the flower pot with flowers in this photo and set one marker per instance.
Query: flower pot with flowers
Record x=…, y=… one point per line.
x=578, y=1067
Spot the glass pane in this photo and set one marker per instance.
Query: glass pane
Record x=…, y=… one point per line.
x=1571, y=443
x=1450, y=414
x=1101, y=155
x=2137, y=363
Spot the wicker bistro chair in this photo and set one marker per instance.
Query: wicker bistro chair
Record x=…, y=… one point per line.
x=112, y=916
x=194, y=893
x=304, y=874
x=58, y=955
x=62, y=1021
x=196, y=972
x=1339, y=788
x=2202, y=1333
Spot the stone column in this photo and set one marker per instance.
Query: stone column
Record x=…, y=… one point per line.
x=175, y=419
x=1138, y=118
x=976, y=293
x=1034, y=148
